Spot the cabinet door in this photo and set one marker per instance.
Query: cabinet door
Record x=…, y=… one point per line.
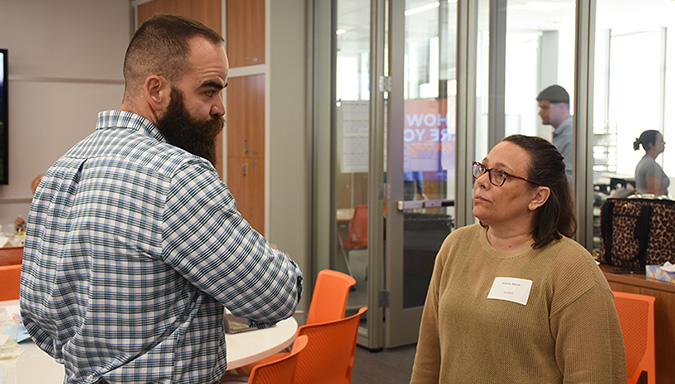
x=246, y=116
x=255, y=191
x=207, y=12
x=245, y=179
x=624, y=287
x=246, y=32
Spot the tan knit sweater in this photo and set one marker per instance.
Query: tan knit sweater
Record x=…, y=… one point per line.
x=568, y=330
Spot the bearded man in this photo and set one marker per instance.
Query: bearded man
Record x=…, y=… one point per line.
x=134, y=244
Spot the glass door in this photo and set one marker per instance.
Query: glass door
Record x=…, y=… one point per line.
x=421, y=156
x=393, y=156
x=353, y=170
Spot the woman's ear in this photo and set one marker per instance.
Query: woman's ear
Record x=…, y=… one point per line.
x=540, y=197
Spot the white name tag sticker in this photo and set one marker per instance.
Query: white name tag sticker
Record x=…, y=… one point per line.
x=510, y=289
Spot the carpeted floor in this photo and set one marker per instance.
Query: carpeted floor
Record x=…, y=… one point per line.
x=389, y=366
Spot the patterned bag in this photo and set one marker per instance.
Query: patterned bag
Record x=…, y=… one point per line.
x=635, y=232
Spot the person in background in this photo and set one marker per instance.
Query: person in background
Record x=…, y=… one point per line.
x=514, y=299
x=554, y=110
x=413, y=185
x=134, y=244
x=649, y=176
x=19, y=222
x=19, y=225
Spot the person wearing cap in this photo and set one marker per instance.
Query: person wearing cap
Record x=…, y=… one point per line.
x=554, y=110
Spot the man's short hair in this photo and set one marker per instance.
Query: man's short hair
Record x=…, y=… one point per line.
x=160, y=46
x=554, y=94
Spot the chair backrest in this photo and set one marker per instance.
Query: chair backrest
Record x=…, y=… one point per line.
x=280, y=371
x=329, y=299
x=636, y=315
x=10, y=277
x=11, y=255
x=358, y=229
x=329, y=356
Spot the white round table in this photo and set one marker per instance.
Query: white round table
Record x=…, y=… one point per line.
x=35, y=366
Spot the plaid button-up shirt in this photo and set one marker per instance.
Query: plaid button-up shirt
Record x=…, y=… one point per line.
x=133, y=248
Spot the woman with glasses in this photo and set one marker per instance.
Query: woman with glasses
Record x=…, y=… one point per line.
x=514, y=299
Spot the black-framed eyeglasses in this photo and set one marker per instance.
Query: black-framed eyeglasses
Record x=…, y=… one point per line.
x=496, y=176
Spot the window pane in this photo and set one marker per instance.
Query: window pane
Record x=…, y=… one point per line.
x=631, y=92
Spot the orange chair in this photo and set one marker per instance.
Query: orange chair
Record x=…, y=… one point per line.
x=329, y=299
x=357, y=236
x=329, y=356
x=10, y=277
x=636, y=315
x=282, y=370
x=329, y=302
x=11, y=255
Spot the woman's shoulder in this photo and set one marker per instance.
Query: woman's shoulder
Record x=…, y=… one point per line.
x=573, y=273
x=568, y=252
x=646, y=162
x=572, y=263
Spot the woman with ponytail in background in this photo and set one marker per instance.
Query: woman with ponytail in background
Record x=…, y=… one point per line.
x=649, y=176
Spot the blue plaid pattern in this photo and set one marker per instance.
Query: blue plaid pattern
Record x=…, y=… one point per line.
x=133, y=248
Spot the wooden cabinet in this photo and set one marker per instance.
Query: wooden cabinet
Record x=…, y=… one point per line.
x=207, y=12
x=246, y=181
x=246, y=146
x=246, y=116
x=246, y=32
x=664, y=316
x=245, y=44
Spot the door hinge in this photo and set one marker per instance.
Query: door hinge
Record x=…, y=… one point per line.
x=384, y=191
x=384, y=84
x=383, y=299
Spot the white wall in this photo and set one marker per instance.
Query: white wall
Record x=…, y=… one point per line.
x=65, y=65
x=289, y=159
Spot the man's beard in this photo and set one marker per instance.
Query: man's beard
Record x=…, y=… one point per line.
x=184, y=131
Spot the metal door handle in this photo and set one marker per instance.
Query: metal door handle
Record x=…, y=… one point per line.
x=415, y=204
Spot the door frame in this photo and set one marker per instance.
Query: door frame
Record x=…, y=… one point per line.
x=384, y=322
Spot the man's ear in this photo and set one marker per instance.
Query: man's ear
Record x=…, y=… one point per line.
x=157, y=93
x=540, y=197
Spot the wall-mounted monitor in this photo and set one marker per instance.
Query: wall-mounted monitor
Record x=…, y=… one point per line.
x=4, y=135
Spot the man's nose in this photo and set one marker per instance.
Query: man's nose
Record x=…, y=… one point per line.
x=218, y=109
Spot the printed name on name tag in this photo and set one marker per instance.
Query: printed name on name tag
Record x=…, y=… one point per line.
x=510, y=289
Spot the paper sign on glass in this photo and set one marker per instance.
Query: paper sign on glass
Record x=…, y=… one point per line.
x=510, y=289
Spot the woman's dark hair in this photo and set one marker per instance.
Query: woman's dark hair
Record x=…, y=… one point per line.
x=647, y=137
x=546, y=167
